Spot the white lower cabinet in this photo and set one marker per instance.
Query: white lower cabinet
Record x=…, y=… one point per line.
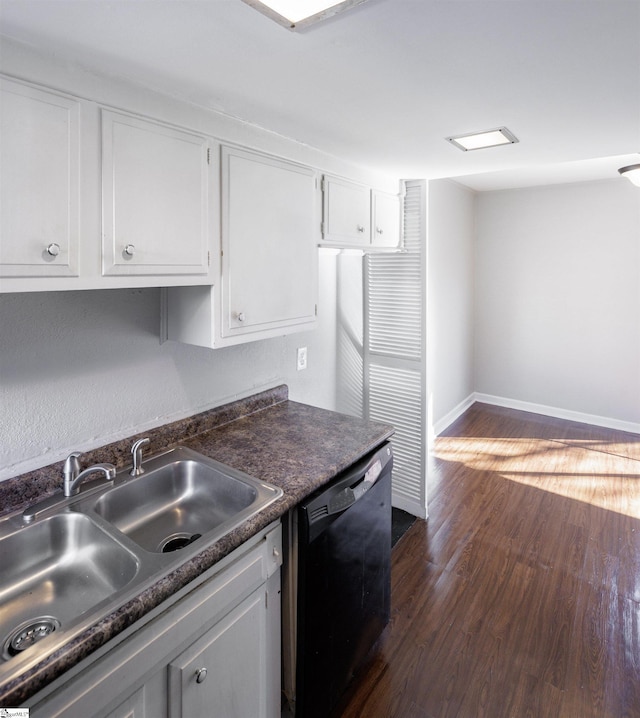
x=213, y=653
x=132, y=707
x=224, y=669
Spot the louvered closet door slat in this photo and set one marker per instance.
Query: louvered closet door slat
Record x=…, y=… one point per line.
x=394, y=305
x=395, y=397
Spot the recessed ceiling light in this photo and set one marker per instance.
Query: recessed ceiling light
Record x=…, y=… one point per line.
x=301, y=13
x=480, y=140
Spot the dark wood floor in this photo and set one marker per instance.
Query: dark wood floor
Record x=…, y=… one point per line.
x=520, y=596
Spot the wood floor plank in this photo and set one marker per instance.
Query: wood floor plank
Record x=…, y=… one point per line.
x=520, y=596
x=629, y=625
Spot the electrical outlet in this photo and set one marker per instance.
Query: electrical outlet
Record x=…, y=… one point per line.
x=302, y=358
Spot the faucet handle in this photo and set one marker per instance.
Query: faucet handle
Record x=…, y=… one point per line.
x=136, y=452
x=72, y=465
x=71, y=470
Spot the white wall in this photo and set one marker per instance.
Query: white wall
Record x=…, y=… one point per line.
x=558, y=298
x=450, y=296
x=349, y=334
x=80, y=369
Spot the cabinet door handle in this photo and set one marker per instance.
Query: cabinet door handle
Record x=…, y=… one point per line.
x=360, y=228
x=129, y=250
x=53, y=250
x=201, y=675
x=241, y=317
x=379, y=230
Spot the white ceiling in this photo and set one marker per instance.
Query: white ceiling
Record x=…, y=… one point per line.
x=384, y=83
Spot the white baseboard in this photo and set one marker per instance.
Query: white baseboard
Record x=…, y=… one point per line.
x=554, y=411
x=409, y=505
x=557, y=413
x=451, y=416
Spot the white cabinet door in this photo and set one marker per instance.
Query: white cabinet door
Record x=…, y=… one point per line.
x=225, y=672
x=269, y=245
x=385, y=210
x=346, y=212
x=39, y=182
x=132, y=707
x=156, y=198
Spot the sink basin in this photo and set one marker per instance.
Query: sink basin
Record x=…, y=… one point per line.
x=182, y=496
x=54, y=571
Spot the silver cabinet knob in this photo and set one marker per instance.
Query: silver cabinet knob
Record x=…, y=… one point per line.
x=241, y=317
x=379, y=230
x=53, y=249
x=201, y=675
x=360, y=228
x=129, y=250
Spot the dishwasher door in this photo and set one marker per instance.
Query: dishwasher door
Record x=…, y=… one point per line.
x=344, y=580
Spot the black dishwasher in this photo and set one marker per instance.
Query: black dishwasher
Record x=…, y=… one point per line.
x=343, y=582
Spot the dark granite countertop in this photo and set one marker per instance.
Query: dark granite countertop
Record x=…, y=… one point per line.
x=294, y=446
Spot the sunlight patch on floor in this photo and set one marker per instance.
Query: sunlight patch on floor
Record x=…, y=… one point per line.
x=591, y=471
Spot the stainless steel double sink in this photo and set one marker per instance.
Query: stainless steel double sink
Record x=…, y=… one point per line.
x=86, y=555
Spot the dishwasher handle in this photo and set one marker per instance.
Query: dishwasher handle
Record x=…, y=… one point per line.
x=346, y=489
x=348, y=496
x=341, y=501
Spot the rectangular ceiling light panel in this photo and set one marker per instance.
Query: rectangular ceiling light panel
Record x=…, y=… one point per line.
x=301, y=13
x=480, y=140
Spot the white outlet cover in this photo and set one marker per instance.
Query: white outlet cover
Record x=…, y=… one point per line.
x=302, y=358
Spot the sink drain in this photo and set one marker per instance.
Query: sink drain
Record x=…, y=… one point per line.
x=177, y=541
x=28, y=633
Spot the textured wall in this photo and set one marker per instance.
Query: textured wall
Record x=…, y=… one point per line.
x=78, y=369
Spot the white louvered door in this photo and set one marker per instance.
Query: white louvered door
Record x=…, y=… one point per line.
x=395, y=352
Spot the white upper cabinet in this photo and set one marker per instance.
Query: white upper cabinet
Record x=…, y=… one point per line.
x=39, y=182
x=269, y=244
x=155, y=198
x=96, y=194
x=385, y=219
x=268, y=284
x=356, y=216
x=346, y=212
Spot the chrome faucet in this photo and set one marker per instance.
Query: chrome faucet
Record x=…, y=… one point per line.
x=136, y=451
x=73, y=477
